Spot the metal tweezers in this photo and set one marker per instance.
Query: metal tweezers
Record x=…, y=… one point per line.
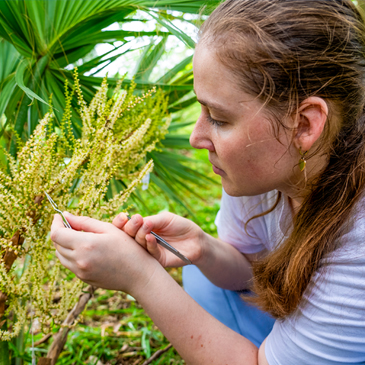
x=55, y=207
x=168, y=247
x=159, y=239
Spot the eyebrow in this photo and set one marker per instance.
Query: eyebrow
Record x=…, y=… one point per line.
x=213, y=106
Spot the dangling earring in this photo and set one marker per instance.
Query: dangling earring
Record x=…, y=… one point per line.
x=302, y=161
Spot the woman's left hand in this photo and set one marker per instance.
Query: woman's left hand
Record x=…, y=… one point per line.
x=101, y=254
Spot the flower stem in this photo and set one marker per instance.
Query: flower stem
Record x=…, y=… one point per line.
x=4, y=349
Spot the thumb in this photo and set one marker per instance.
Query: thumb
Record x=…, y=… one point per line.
x=120, y=220
x=57, y=222
x=87, y=224
x=160, y=221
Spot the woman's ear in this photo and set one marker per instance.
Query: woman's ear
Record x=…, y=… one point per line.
x=310, y=120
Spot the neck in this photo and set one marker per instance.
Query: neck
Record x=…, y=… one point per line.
x=295, y=204
x=300, y=188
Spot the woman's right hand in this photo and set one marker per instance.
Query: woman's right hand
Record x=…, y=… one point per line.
x=181, y=233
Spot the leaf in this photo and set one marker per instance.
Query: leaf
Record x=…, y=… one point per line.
x=176, y=93
x=14, y=102
x=88, y=26
x=19, y=78
x=168, y=189
x=108, y=37
x=9, y=59
x=178, y=125
x=96, y=81
x=67, y=32
x=174, y=30
x=7, y=89
x=188, y=6
x=11, y=27
x=145, y=342
x=182, y=105
x=97, y=61
x=62, y=60
x=177, y=141
x=171, y=74
x=149, y=60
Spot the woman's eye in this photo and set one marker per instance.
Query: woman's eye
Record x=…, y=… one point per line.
x=214, y=122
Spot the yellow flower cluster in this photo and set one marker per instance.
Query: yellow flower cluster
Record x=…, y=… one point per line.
x=77, y=172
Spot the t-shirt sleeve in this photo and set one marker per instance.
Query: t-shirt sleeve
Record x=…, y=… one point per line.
x=231, y=218
x=329, y=325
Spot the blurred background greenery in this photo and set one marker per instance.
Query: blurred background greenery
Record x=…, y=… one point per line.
x=152, y=42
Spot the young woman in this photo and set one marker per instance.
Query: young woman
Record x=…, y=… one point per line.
x=282, y=89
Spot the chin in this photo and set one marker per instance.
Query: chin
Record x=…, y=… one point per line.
x=234, y=190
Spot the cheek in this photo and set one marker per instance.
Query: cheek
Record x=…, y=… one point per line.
x=248, y=163
x=237, y=147
x=249, y=156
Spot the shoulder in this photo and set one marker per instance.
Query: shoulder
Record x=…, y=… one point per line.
x=329, y=325
x=235, y=212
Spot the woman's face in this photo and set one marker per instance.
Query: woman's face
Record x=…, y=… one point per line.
x=234, y=129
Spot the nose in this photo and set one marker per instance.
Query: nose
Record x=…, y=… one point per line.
x=200, y=138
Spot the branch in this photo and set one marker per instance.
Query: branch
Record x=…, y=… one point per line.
x=157, y=354
x=61, y=337
x=10, y=256
x=43, y=340
x=44, y=361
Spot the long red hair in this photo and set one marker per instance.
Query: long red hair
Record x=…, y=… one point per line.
x=283, y=51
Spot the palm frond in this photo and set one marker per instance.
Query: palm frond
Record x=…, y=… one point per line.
x=41, y=41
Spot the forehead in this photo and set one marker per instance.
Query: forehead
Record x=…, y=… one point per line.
x=214, y=83
x=208, y=69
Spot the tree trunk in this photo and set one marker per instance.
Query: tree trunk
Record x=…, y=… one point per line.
x=61, y=337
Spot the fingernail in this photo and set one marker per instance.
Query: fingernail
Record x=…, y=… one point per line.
x=134, y=219
x=145, y=227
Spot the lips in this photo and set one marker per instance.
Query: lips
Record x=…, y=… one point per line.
x=217, y=170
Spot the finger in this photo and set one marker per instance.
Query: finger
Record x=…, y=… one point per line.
x=57, y=222
x=133, y=225
x=65, y=262
x=152, y=247
x=161, y=221
x=87, y=224
x=120, y=220
x=146, y=229
x=60, y=235
x=65, y=237
x=65, y=252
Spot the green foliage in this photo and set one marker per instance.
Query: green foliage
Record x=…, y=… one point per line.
x=115, y=330
x=117, y=134
x=43, y=39
x=114, y=322
x=41, y=42
x=4, y=353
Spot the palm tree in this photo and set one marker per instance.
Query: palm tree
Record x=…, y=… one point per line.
x=42, y=40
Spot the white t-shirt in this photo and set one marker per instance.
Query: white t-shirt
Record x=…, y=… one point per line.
x=329, y=325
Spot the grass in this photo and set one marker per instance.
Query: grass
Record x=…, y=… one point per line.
x=114, y=329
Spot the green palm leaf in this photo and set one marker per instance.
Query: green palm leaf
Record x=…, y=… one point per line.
x=42, y=40
x=149, y=60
